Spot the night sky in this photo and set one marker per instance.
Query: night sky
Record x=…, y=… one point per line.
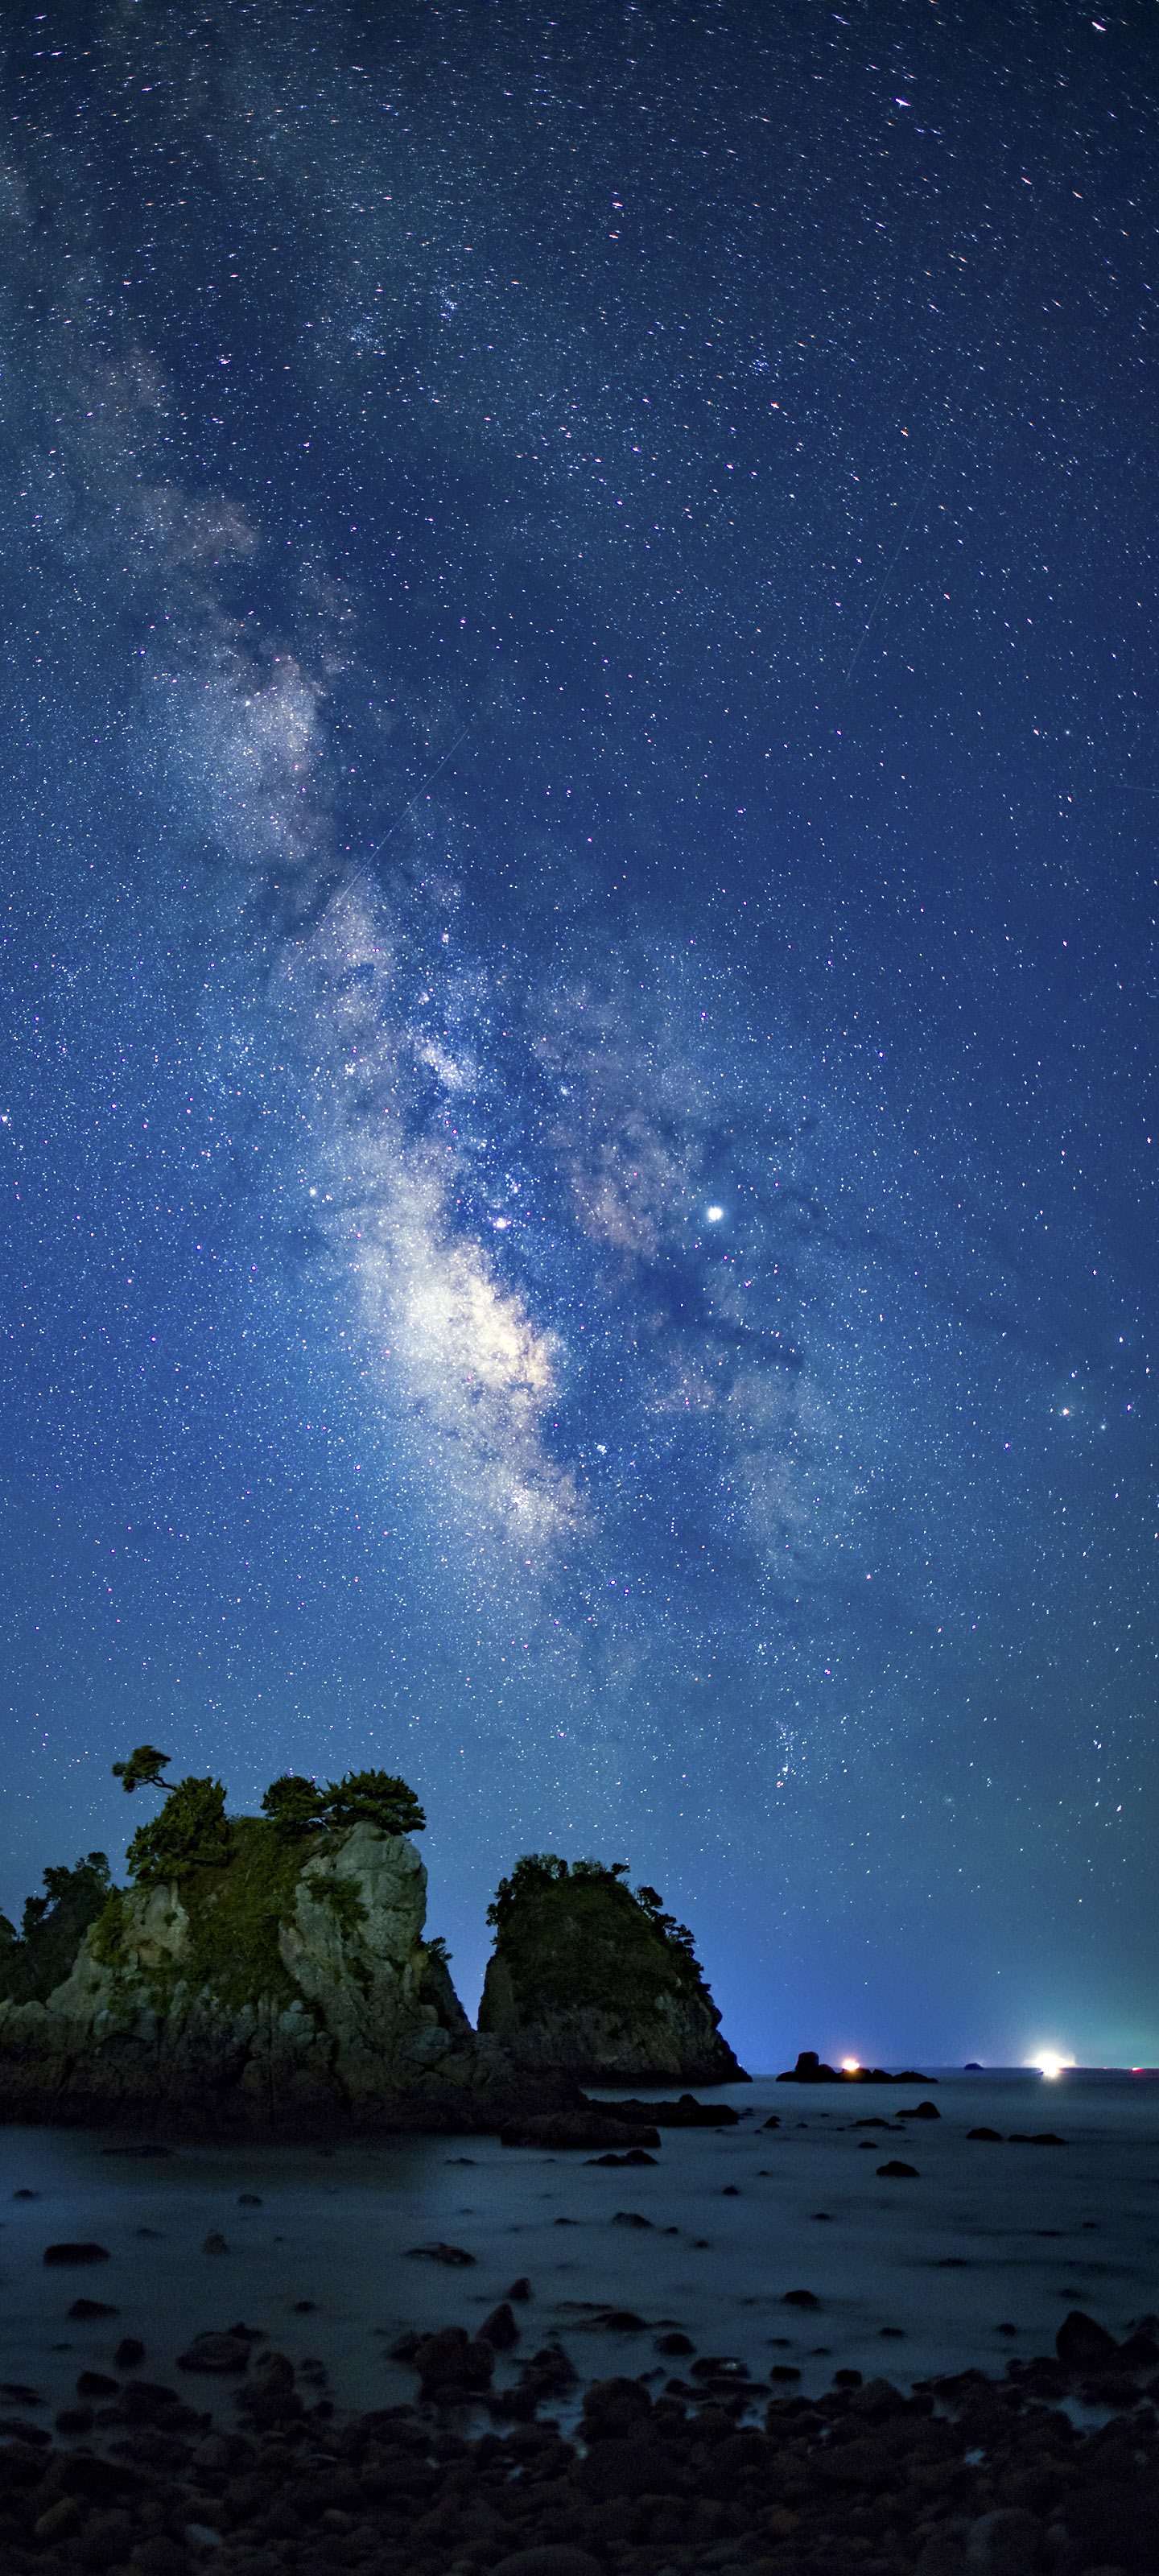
x=580, y=1106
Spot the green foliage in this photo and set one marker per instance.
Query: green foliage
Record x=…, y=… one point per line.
x=190, y=1832
x=294, y=1805
x=342, y=1897
x=54, y=1925
x=236, y=1909
x=530, y=1876
x=379, y=1798
x=236, y=1914
x=374, y=1798
x=108, y=1930
x=238, y=1884
x=576, y=1938
x=143, y=1769
x=437, y=1949
x=677, y=1935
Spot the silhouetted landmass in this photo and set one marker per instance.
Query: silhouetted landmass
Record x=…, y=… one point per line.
x=811, y=2069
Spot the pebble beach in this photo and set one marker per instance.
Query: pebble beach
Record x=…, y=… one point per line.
x=834, y=2341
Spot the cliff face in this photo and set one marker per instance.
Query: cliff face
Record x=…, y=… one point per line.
x=586, y=1981
x=284, y=1990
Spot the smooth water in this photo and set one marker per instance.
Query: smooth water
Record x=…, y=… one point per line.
x=912, y=2277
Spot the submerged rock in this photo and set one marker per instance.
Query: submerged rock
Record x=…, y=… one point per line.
x=590, y=1980
x=684, y=2114
x=591, y=2127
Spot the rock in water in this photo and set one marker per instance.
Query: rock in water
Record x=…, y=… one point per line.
x=687, y=2113
x=811, y=2069
x=281, y=1986
x=590, y=1980
x=1082, y=2344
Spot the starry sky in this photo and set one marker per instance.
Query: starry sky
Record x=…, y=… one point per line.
x=578, y=822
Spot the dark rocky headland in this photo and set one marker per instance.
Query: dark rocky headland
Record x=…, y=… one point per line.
x=269, y=1976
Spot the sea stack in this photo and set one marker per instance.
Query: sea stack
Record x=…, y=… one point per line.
x=266, y=1975
x=593, y=1981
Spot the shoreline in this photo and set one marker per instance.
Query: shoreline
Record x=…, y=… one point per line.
x=749, y=2347
x=970, y=2473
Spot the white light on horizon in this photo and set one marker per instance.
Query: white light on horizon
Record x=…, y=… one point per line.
x=1049, y=2064
x=851, y=2065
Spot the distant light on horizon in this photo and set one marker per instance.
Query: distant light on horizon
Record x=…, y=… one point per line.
x=851, y=2065
x=1049, y=2064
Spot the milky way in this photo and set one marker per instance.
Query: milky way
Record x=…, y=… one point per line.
x=579, y=1085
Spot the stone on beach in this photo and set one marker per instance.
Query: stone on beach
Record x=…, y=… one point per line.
x=81, y=2253
x=452, y=2360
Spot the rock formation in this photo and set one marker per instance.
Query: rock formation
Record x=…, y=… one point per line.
x=811, y=2069
x=591, y=1981
x=282, y=1987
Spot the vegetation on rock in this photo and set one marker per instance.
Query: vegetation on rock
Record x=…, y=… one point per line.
x=52, y=1929
x=237, y=1879
x=579, y=1936
x=191, y=1832
x=298, y=1806
x=592, y=1979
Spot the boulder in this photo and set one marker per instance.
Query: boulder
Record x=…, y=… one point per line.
x=452, y=2364
x=1082, y=2344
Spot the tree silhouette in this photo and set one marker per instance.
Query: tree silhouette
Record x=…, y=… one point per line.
x=143, y=1769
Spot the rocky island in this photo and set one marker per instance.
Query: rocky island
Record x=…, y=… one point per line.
x=590, y=1977
x=270, y=1975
